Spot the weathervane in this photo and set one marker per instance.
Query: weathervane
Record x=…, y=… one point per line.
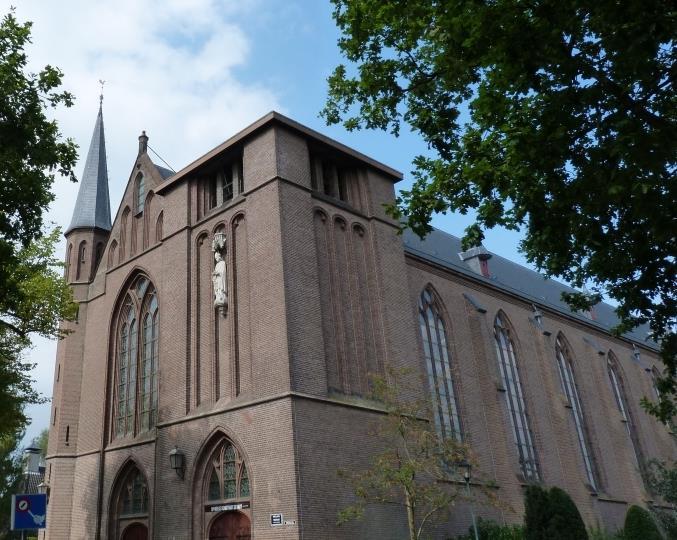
x=101, y=82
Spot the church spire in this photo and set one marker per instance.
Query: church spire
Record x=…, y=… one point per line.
x=92, y=208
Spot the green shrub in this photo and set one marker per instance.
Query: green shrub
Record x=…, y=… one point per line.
x=565, y=521
x=640, y=526
x=551, y=515
x=537, y=513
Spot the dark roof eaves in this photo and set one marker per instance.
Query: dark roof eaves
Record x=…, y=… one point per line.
x=88, y=228
x=472, y=276
x=259, y=124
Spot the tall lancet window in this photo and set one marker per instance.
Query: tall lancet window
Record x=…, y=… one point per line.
x=570, y=388
x=149, y=357
x=137, y=354
x=438, y=366
x=519, y=420
x=618, y=389
x=139, y=192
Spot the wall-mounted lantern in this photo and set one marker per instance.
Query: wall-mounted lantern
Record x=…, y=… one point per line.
x=177, y=461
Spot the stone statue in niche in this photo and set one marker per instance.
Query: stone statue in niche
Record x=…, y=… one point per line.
x=219, y=279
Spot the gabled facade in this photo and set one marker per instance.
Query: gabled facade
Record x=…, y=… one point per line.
x=232, y=320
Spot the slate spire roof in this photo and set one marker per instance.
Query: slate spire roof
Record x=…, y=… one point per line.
x=92, y=208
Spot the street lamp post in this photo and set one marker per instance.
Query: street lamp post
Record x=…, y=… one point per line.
x=467, y=469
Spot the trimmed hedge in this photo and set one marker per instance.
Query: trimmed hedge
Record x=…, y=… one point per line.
x=639, y=525
x=552, y=515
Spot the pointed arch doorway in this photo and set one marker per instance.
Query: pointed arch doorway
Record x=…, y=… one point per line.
x=136, y=531
x=230, y=526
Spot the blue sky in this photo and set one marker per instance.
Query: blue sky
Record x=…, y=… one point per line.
x=192, y=73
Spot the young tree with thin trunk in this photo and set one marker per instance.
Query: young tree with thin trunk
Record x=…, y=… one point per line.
x=418, y=470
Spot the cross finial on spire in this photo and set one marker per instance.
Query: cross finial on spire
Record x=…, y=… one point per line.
x=101, y=82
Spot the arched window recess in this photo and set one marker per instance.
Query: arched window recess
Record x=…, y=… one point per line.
x=514, y=396
x=139, y=193
x=136, y=354
x=129, y=505
x=445, y=409
x=227, y=478
x=570, y=388
x=621, y=399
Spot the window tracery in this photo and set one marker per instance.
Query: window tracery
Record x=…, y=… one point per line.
x=228, y=477
x=130, y=505
x=618, y=389
x=512, y=384
x=570, y=388
x=137, y=357
x=438, y=367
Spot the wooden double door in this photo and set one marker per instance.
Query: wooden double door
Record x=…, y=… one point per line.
x=135, y=531
x=230, y=526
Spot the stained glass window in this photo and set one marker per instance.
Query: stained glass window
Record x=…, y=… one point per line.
x=229, y=478
x=137, y=359
x=134, y=495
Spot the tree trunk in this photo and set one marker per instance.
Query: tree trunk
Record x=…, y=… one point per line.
x=411, y=522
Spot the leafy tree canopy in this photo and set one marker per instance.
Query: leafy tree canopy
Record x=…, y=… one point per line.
x=40, y=298
x=33, y=296
x=556, y=117
x=10, y=478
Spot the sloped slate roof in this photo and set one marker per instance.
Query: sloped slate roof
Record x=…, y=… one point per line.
x=164, y=173
x=92, y=208
x=442, y=248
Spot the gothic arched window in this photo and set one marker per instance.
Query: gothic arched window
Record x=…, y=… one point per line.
x=139, y=192
x=438, y=366
x=227, y=474
x=570, y=388
x=136, y=356
x=129, y=510
x=519, y=420
x=618, y=389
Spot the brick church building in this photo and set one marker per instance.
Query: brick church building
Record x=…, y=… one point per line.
x=216, y=377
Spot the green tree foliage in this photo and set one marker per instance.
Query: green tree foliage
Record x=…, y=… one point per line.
x=40, y=298
x=566, y=522
x=556, y=117
x=417, y=470
x=33, y=296
x=10, y=478
x=537, y=513
x=551, y=515
x=639, y=525
x=662, y=478
x=41, y=441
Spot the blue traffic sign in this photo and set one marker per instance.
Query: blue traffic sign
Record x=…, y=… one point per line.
x=29, y=511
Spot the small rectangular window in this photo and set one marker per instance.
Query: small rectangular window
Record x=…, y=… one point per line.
x=58, y=372
x=228, y=184
x=54, y=417
x=68, y=432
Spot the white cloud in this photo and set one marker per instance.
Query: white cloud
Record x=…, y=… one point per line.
x=170, y=69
